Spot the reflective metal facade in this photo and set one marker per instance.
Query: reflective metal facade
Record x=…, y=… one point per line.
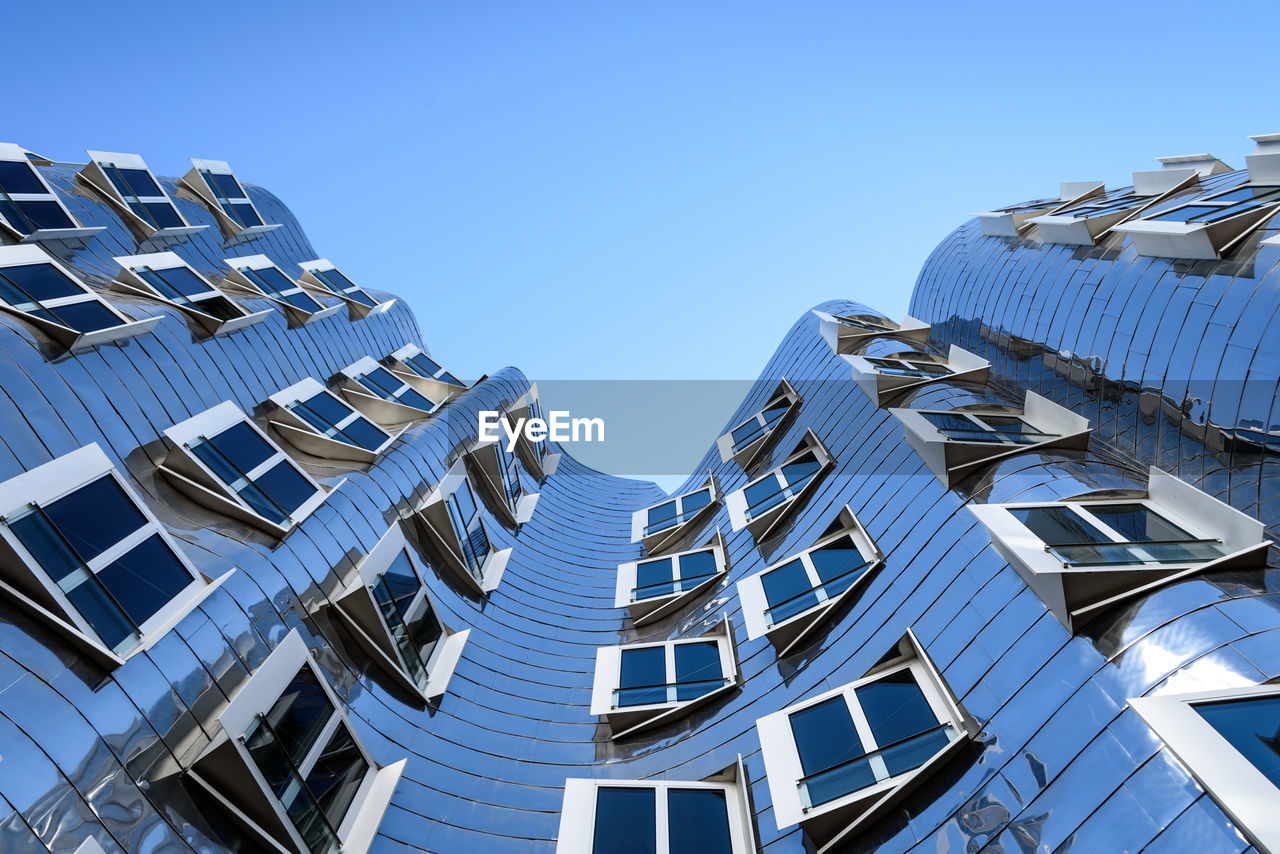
x=1061, y=763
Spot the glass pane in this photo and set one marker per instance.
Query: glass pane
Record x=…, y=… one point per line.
x=95, y=517
x=1252, y=726
x=662, y=516
x=225, y=185
x=183, y=281
x=896, y=709
x=424, y=365
x=244, y=214
x=43, y=214
x=381, y=381
x=46, y=545
x=162, y=287
x=163, y=215
x=1183, y=214
x=798, y=472
x=826, y=737
x=698, y=822
x=271, y=279
x=134, y=182
x=763, y=495
x=788, y=591
x=836, y=564
x=654, y=578
x=103, y=615
x=323, y=409
x=281, y=774
x=626, y=821
x=15, y=218
x=693, y=502
x=300, y=300
x=145, y=579
x=409, y=397
x=40, y=282
x=219, y=307
x=337, y=775
x=85, y=317
x=242, y=447
x=287, y=488
x=1137, y=523
x=698, y=669
x=697, y=565
x=300, y=714
x=1058, y=525
x=642, y=677
x=17, y=177
x=364, y=434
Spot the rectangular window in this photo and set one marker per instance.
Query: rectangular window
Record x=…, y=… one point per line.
x=665, y=576
x=782, y=484
x=406, y=611
x=424, y=366
x=1115, y=534
x=375, y=380
x=812, y=579
x=677, y=511
x=126, y=180
x=909, y=366
x=749, y=440
x=328, y=279
x=232, y=198
x=28, y=204
x=1221, y=206
x=468, y=528
x=985, y=427
x=654, y=817
x=166, y=276
x=269, y=281
x=333, y=419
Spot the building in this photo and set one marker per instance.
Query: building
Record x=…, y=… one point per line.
x=994, y=577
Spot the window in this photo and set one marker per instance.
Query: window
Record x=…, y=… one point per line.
x=746, y=442
x=165, y=276
x=956, y=442
x=638, y=686
x=497, y=472
x=216, y=185
x=537, y=458
x=222, y=460
x=322, y=276
x=657, y=587
x=287, y=756
x=315, y=421
x=1015, y=219
x=41, y=291
x=381, y=395
x=422, y=372
x=846, y=333
x=259, y=275
x=390, y=611
x=1084, y=223
x=883, y=377
x=655, y=817
x=455, y=528
x=765, y=502
x=86, y=555
x=126, y=182
x=29, y=207
x=1229, y=739
x=1205, y=226
x=662, y=524
x=788, y=600
x=1086, y=553
x=832, y=759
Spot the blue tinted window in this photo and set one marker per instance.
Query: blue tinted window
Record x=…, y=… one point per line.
x=825, y=735
x=1252, y=726
x=95, y=517
x=243, y=213
x=29, y=216
x=136, y=183
x=1137, y=523
x=895, y=707
x=662, y=514
x=364, y=434
x=242, y=447
x=697, y=565
x=85, y=317
x=1058, y=525
x=224, y=186
x=163, y=215
x=300, y=300
x=40, y=282
x=697, y=669
x=788, y=591
x=19, y=178
x=286, y=487
x=795, y=473
x=269, y=279
x=653, y=578
x=410, y=397
x=694, y=501
x=103, y=615
x=834, y=563
x=698, y=822
x=643, y=667
x=145, y=579
x=626, y=821
x=764, y=494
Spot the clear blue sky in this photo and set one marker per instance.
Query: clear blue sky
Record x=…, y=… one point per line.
x=650, y=189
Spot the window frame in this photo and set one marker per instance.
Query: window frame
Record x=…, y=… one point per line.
x=747, y=454
x=132, y=282
x=385, y=412
x=298, y=316
x=78, y=233
x=488, y=462
x=653, y=608
x=1066, y=226
x=95, y=174
x=433, y=513
x=306, y=437
x=399, y=365
x=233, y=230
x=1200, y=240
x=883, y=387
x=1014, y=220
x=33, y=588
x=843, y=337
x=766, y=523
x=655, y=541
x=356, y=310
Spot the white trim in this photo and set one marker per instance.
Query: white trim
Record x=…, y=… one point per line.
x=656, y=607
x=76, y=233
x=256, y=263
x=305, y=436
x=750, y=452
x=577, y=814
x=131, y=281
x=655, y=541
x=767, y=521
x=96, y=175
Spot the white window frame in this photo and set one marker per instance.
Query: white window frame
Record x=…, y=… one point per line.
x=356, y=310
x=306, y=437
x=487, y=462
x=1075, y=594
x=385, y=412
x=131, y=281
x=881, y=387
x=433, y=386
x=256, y=697
x=95, y=174
x=78, y=233
x=57, y=479
x=433, y=512
x=656, y=607
x=655, y=541
x=789, y=633
x=747, y=454
x=845, y=333
x=766, y=523
x=237, y=278
x=1234, y=783
x=203, y=486
x=31, y=254
x=1200, y=240
x=195, y=181
x=626, y=720
x=1014, y=220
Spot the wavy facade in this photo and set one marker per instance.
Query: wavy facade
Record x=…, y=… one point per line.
x=1042, y=748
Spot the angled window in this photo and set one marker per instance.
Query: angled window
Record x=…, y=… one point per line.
x=766, y=502
x=497, y=472
x=790, y=599
x=955, y=442
x=839, y=759
x=745, y=443
x=1083, y=554
x=847, y=333
x=216, y=185
x=165, y=276
x=887, y=374
x=125, y=181
x=1229, y=739
x=389, y=610
x=422, y=372
x=456, y=531
x=36, y=288
x=1087, y=222
x=86, y=556
x=286, y=764
x=316, y=421
x=657, y=587
x=382, y=395
x=664, y=524
x=259, y=276
x=536, y=455
x=321, y=276
x=221, y=460
x=639, y=686
x=1015, y=219
x=30, y=211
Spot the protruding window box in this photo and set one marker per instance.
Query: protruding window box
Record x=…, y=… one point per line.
x=30, y=211
x=1226, y=738
x=389, y=610
x=286, y=765
x=1204, y=227
x=455, y=531
x=383, y=396
x=498, y=475
x=166, y=277
x=128, y=186
x=766, y=502
x=657, y=587
x=41, y=291
x=1085, y=223
x=664, y=524
x=847, y=333
x=422, y=372
x=748, y=441
x=315, y=421
x=792, y=598
x=221, y=460
x=837, y=761
x=882, y=378
x=1087, y=553
x=536, y=455
x=955, y=442
x=1015, y=219
x=259, y=276
x=644, y=685
x=322, y=277
x=80, y=552
x=216, y=185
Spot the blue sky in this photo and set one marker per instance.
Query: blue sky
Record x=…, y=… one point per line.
x=646, y=190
